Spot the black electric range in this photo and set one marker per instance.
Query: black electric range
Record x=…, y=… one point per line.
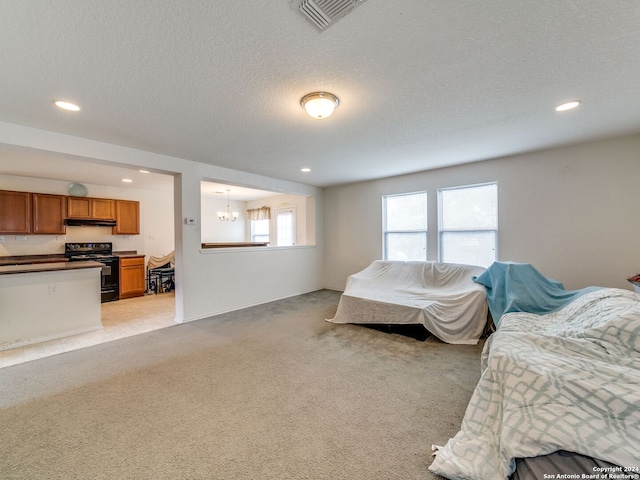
x=103, y=253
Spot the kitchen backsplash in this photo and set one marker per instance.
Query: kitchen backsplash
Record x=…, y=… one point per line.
x=12, y=245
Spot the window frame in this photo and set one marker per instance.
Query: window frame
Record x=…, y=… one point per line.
x=442, y=231
x=386, y=231
x=252, y=234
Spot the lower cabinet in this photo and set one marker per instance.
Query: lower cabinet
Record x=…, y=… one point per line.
x=132, y=276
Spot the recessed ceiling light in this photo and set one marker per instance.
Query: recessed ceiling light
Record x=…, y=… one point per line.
x=568, y=105
x=127, y=180
x=305, y=170
x=72, y=107
x=144, y=171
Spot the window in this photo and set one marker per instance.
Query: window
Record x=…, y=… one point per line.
x=285, y=227
x=468, y=224
x=404, y=219
x=260, y=230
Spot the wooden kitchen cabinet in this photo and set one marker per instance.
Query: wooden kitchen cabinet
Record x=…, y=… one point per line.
x=15, y=212
x=23, y=213
x=132, y=276
x=78, y=207
x=91, y=208
x=48, y=214
x=127, y=218
x=103, y=209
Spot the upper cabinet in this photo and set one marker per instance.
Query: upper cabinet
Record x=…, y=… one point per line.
x=24, y=213
x=15, y=212
x=103, y=209
x=91, y=208
x=48, y=214
x=127, y=218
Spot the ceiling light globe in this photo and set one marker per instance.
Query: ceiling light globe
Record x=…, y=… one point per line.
x=319, y=104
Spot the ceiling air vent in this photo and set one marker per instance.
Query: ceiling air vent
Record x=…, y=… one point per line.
x=324, y=13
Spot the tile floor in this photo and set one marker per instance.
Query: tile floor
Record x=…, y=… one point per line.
x=120, y=319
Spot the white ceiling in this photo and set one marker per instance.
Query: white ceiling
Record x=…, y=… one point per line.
x=422, y=84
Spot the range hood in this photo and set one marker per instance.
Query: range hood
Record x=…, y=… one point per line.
x=86, y=222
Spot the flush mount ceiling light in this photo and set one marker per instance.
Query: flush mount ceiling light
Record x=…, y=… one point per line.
x=319, y=104
x=568, y=106
x=72, y=107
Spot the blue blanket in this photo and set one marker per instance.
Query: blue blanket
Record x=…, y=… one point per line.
x=519, y=287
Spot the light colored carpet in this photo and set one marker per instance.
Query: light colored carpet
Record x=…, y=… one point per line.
x=269, y=392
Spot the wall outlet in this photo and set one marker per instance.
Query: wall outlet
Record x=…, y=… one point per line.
x=21, y=237
x=53, y=289
x=1, y=238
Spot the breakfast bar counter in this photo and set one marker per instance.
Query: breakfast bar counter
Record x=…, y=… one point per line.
x=47, y=267
x=45, y=301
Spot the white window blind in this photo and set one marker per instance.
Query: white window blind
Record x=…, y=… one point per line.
x=285, y=227
x=260, y=230
x=405, y=226
x=468, y=224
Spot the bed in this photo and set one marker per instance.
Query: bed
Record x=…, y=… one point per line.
x=441, y=296
x=559, y=394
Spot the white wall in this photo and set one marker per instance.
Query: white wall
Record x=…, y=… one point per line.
x=214, y=230
x=213, y=281
x=156, y=221
x=572, y=212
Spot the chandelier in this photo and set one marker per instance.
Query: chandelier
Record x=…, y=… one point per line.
x=228, y=216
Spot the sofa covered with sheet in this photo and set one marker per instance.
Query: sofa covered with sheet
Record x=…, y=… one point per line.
x=441, y=296
x=567, y=380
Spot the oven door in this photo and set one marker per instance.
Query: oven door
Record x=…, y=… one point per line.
x=110, y=287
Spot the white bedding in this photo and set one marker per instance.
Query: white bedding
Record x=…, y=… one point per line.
x=568, y=380
x=441, y=296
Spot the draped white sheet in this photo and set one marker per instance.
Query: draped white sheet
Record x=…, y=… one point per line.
x=441, y=296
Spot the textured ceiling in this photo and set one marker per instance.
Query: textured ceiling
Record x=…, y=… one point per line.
x=422, y=84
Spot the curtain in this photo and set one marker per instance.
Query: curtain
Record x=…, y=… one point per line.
x=262, y=213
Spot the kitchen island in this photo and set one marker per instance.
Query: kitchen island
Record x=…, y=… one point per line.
x=44, y=301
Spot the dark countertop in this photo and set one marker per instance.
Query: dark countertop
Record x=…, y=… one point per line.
x=129, y=253
x=52, y=258
x=48, y=267
x=29, y=259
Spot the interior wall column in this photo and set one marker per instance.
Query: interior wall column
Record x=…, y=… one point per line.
x=186, y=206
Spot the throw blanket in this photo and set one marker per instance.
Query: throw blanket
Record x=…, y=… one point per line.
x=568, y=380
x=518, y=287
